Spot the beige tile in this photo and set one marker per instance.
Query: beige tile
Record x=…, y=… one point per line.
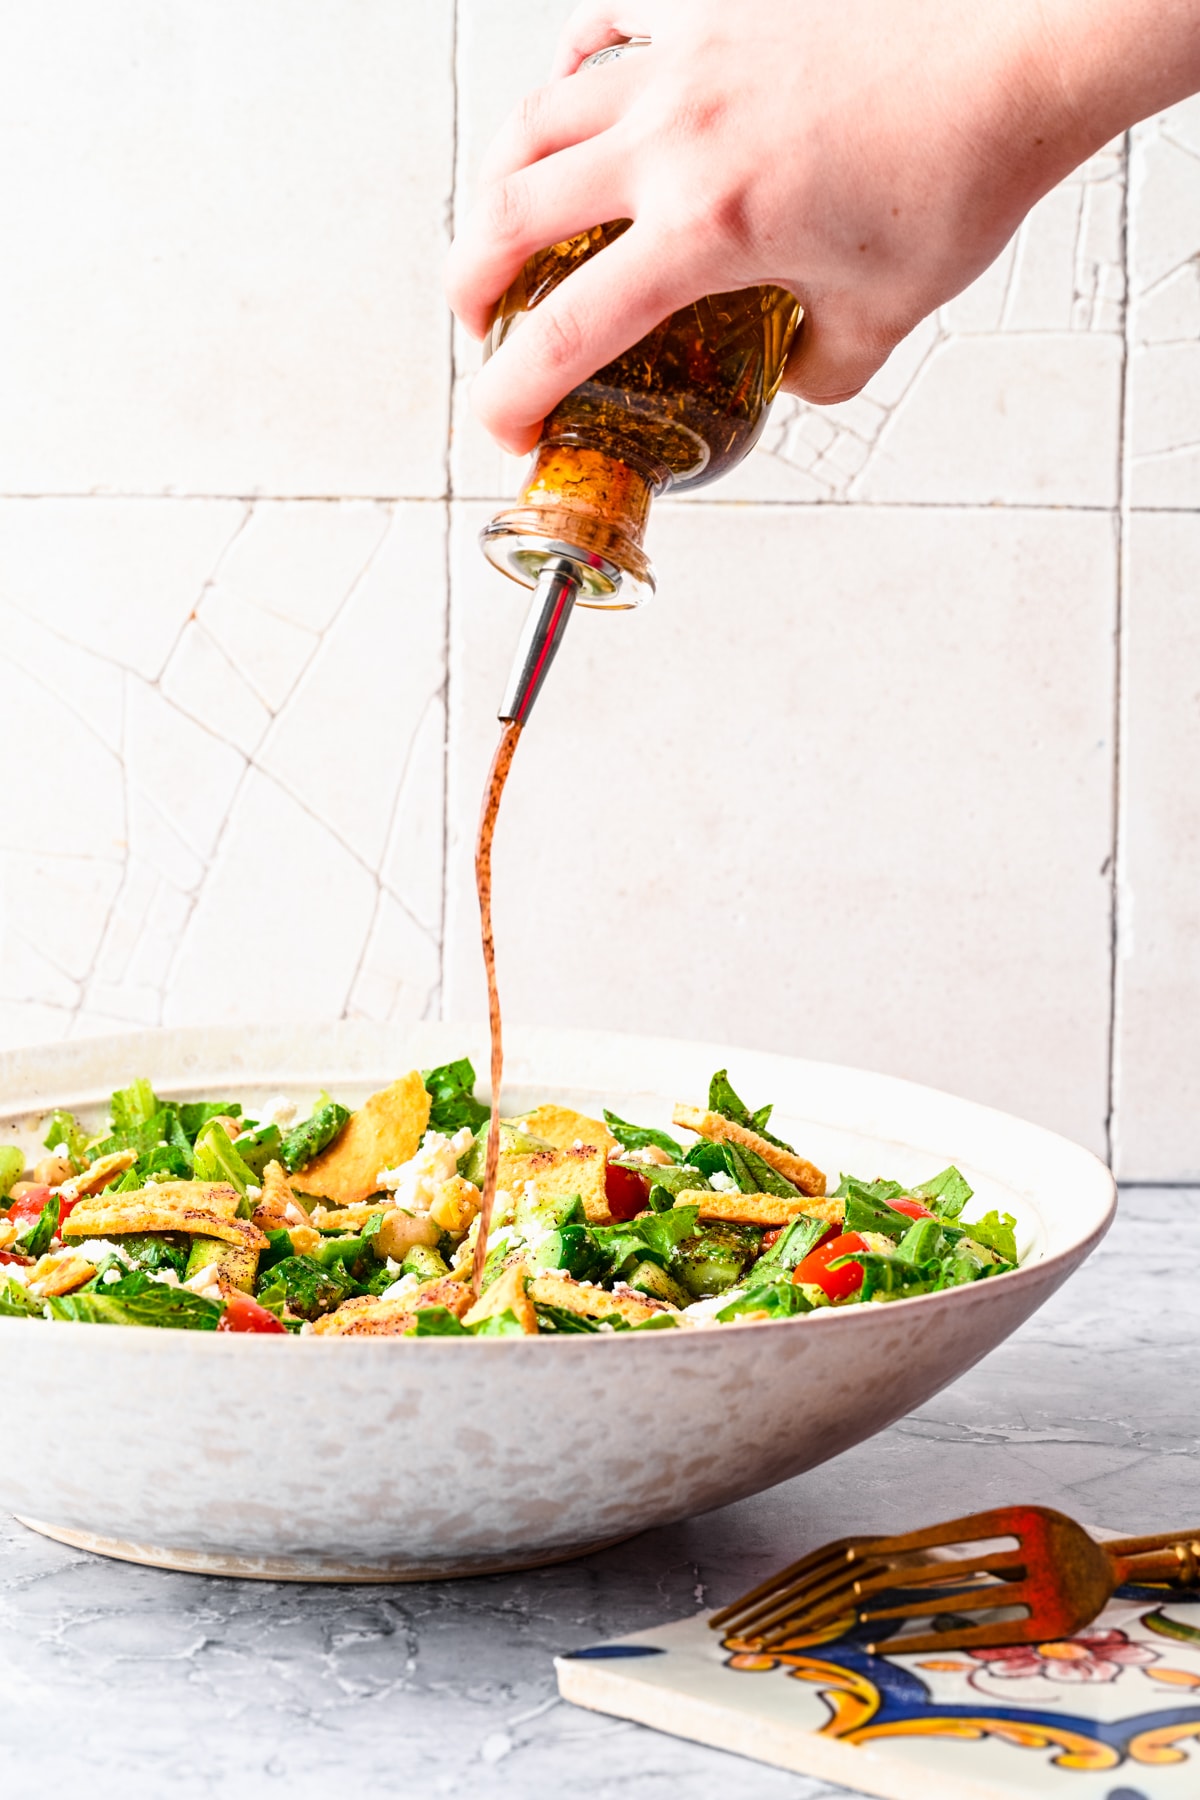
x=1157, y=1065
x=229, y=223
x=1164, y=255
x=224, y=788
x=844, y=789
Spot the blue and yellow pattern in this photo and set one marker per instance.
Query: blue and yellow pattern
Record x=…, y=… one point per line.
x=868, y=1697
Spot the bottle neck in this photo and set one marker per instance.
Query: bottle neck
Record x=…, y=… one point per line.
x=586, y=505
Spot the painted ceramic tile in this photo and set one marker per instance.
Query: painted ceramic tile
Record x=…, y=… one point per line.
x=1111, y=1714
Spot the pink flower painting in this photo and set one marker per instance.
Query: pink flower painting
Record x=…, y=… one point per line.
x=1092, y=1656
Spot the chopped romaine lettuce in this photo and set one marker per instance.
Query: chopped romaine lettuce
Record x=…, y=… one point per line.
x=217, y=1159
x=946, y=1193
x=36, y=1241
x=641, y=1137
x=64, y=1128
x=451, y=1089
x=996, y=1231
x=723, y=1100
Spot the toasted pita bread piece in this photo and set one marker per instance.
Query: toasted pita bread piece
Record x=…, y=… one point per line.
x=759, y=1209
x=564, y=1128
x=60, y=1274
x=100, y=1174
x=369, y=1316
x=385, y=1131
x=201, y=1208
x=801, y=1174
x=557, y=1173
x=593, y=1302
x=506, y=1294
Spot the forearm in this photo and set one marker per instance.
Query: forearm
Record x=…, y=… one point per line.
x=1109, y=63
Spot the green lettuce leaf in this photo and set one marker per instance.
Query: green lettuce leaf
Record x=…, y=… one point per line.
x=439, y=1321
x=133, y=1106
x=451, y=1089
x=779, y=1299
x=217, y=1159
x=723, y=1100
x=136, y=1300
x=16, y=1302
x=195, y=1114
x=947, y=1193
x=792, y=1245
x=36, y=1241
x=996, y=1231
x=64, y=1128
x=640, y=1137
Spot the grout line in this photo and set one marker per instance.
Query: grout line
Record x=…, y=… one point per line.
x=448, y=591
x=1122, y=546
x=795, y=504
x=1160, y=1187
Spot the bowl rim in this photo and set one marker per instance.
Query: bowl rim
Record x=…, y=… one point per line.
x=521, y=1043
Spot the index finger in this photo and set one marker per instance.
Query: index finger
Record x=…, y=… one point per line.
x=597, y=24
x=602, y=308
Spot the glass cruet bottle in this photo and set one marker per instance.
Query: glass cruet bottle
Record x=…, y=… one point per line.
x=679, y=409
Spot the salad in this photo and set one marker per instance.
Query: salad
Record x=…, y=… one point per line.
x=203, y=1216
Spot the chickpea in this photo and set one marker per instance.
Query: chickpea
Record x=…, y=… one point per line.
x=19, y=1189
x=230, y=1127
x=53, y=1170
x=401, y=1231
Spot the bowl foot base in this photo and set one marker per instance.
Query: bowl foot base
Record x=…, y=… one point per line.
x=301, y=1568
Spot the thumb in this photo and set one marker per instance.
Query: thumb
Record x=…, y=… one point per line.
x=833, y=359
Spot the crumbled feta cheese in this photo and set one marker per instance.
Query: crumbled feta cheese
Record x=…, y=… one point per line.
x=578, y=1144
x=414, y=1183
x=61, y=1150
x=166, y=1277
x=204, y=1281
x=279, y=1110
x=407, y=1284
x=723, y=1183
x=96, y=1249
x=111, y=1275
x=702, y=1312
x=252, y=1192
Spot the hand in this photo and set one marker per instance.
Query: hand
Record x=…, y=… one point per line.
x=872, y=157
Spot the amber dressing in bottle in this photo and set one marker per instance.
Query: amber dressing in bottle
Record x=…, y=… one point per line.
x=679, y=409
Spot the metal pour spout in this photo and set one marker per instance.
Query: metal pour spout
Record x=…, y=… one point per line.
x=553, y=602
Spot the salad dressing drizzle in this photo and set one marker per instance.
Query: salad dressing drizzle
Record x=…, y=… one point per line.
x=497, y=776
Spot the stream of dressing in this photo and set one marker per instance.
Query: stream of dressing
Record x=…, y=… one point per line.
x=498, y=775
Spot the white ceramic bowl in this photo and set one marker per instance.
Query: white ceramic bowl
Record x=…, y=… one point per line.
x=383, y=1459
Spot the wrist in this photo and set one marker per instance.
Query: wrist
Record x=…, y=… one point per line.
x=1105, y=64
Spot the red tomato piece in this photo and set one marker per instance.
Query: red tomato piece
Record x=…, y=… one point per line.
x=627, y=1192
x=12, y=1256
x=29, y=1206
x=771, y=1237
x=838, y=1284
x=912, y=1209
x=242, y=1313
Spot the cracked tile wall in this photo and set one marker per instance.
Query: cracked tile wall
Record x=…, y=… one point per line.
x=250, y=653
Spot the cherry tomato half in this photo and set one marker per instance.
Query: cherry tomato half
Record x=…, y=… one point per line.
x=27, y=1209
x=838, y=1284
x=245, y=1314
x=13, y=1256
x=627, y=1192
x=912, y=1209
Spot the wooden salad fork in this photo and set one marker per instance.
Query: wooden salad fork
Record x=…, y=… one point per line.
x=1059, y=1574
